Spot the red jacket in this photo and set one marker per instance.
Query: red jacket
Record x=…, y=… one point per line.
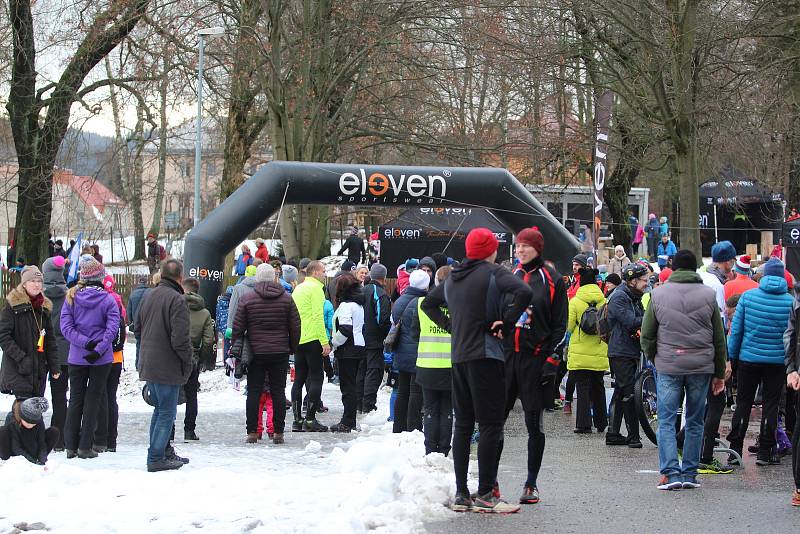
x=739, y=285
x=262, y=253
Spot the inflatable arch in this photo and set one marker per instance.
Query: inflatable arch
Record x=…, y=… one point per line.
x=363, y=185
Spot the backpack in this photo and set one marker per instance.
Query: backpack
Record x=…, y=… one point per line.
x=603, y=324
x=589, y=320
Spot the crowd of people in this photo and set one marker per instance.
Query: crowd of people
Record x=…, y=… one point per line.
x=458, y=342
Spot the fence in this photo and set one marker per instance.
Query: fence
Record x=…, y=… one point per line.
x=124, y=283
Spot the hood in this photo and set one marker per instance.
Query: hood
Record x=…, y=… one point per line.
x=465, y=269
x=269, y=290
x=590, y=294
x=414, y=292
x=55, y=291
x=195, y=301
x=19, y=296
x=356, y=294
x=91, y=297
x=427, y=260
x=685, y=277
x=249, y=281
x=51, y=273
x=774, y=284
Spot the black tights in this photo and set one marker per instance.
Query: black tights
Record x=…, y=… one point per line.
x=536, y=442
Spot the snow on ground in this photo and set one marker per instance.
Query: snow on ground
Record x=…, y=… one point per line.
x=368, y=481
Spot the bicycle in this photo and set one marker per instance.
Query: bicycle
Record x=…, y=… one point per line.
x=646, y=399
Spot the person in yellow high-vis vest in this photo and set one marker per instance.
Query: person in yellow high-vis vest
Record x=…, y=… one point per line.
x=434, y=376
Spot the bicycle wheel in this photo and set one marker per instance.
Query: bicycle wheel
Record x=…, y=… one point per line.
x=645, y=403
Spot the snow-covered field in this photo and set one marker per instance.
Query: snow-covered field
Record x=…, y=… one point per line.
x=368, y=481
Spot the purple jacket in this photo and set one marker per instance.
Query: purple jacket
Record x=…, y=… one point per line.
x=89, y=314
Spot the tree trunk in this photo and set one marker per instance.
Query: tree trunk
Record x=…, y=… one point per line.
x=793, y=193
x=689, y=196
x=158, y=206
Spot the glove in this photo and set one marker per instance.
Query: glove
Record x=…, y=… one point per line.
x=550, y=367
x=91, y=345
x=388, y=357
x=228, y=333
x=92, y=356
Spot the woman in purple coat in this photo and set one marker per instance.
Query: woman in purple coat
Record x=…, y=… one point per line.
x=89, y=321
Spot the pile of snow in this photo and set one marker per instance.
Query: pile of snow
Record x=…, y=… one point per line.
x=378, y=482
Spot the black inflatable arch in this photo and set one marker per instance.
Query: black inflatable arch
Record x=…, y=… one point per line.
x=363, y=185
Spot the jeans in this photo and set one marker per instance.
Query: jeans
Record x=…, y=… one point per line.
x=348, y=374
x=370, y=376
x=715, y=406
x=308, y=373
x=165, y=406
x=438, y=420
x=108, y=417
x=274, y=366
x=87, y=384
x=58, y=390
x=190, y=388
x=749, y=376
x=591, y=399
x=408, y=405
x=670, y=391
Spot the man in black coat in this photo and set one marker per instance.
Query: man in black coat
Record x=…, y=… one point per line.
x=474, y=295
x=377, y=322
x=354, y=245
x=165, y=359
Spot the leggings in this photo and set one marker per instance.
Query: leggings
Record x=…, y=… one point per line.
x=308, y=372
x=408, y=405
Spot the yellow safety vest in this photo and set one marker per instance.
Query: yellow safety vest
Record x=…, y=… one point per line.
x=433, y=351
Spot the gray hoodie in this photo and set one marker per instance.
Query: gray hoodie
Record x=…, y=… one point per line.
x=241, y=289
x=55, y=288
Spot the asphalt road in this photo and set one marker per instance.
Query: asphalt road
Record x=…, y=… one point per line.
x=588, y=487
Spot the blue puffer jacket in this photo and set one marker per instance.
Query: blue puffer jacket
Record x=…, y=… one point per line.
x=405, y=351
x=759, y=323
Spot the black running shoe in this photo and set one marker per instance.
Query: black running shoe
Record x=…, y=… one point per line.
x=529, y=495
x=462, y=503
x=314, y=426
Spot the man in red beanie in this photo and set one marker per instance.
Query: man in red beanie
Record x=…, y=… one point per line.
x=531, y=355
x=478, y=320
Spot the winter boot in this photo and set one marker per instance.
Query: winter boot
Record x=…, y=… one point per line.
x=297, y=424
x=252, y=437
x=277, y=438
x=86, y=454
x=190, y=435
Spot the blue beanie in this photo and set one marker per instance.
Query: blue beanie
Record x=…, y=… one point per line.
x=774, y=267
x=411, y=264
x=723, y=251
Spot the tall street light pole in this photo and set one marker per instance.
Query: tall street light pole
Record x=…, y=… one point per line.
x=216, y=31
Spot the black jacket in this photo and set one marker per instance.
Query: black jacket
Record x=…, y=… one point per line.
x=30, y=443
x=24, y=369
x=376, y=326
x=791, y=341
x=547, y=311
x=56, y=292
x=406, y=309
x=165, y=349
x=355, y=248
x=473, y=308
x=625, y=313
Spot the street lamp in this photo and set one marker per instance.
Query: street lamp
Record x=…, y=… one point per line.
x=215, y=31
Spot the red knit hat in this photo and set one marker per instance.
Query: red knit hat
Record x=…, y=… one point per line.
x=789, y=279
x=532, y=237
x=481, y=243
x=664, y=275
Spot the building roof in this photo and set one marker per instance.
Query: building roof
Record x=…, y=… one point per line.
x=89, y=190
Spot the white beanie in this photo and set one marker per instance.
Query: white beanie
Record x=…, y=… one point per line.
x=419, y=279
x=265, y=273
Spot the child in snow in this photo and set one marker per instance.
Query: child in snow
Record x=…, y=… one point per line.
x=24, y=434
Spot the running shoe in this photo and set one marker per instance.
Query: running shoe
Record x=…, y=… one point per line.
x=669, y=484
x=462, y=503
x=529, y=495
x=796, y=498
x=489, y=504
x=567, y=407
x=715, y=467
x=690, y=483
